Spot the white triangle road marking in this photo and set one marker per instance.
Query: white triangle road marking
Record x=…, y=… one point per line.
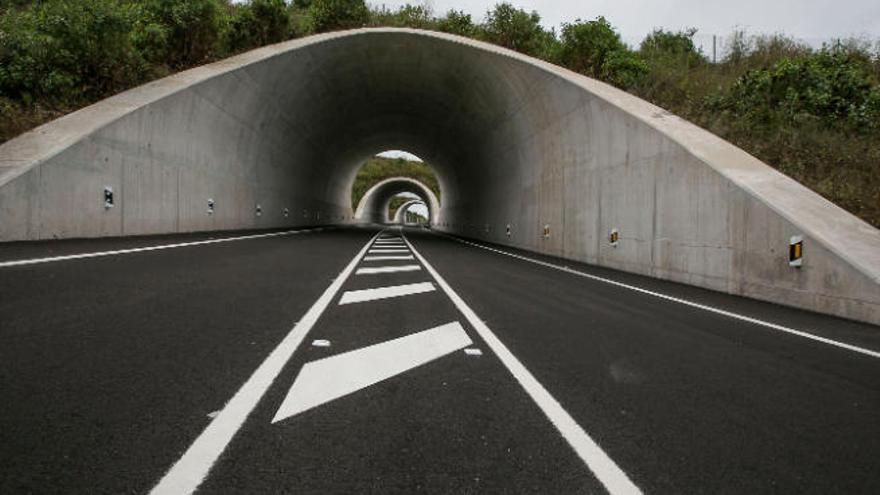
x=330, y=378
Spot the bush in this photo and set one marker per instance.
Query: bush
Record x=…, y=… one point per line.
x=330, y=15
x=410, y=16
x=457, y=22
x=518, y=30
x=65, y=50
x=829, y=87
x=180, y=33
x=257, y=23
x=594, y=49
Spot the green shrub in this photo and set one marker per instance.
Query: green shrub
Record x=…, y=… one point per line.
x=518, y=30
x=257, y=23
x=65, y=50
x=594, y=49
x=830, y=87
x=180, y=33
x=330, y=15
x=408, y=16
x=457, y=22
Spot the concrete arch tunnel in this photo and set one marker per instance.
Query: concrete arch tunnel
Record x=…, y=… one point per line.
x=373, y=206
x=400, y=214
x=274, y=137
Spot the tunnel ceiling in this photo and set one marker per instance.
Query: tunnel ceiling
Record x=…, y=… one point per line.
x=527, y=154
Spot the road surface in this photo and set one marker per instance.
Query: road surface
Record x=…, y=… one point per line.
x=363, y=360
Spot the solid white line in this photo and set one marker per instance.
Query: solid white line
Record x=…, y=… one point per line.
x=387, y=258
x=602, y=466
x=388, y=269
x=328, y=379
x=189, y=471
x=364, y=295
x=99, y=254
x=686, y=302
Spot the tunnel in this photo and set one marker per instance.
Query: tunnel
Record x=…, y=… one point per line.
x=527, y=155
x=373, y=206
x=400, y=214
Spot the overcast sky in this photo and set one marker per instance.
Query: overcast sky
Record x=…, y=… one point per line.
x=811, y=20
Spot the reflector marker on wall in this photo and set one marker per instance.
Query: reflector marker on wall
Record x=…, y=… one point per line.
x=286, y=212
x=210, y=206
x=259, y=210
x=546, y=231
x=108, y=197
x=508, y=230
x=796, y=251
x=614, y=237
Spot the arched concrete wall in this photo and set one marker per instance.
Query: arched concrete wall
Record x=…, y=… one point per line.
x=400, y=214
x=373, y=206
x=513, y=140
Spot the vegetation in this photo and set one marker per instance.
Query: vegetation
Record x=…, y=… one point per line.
x=812, y=113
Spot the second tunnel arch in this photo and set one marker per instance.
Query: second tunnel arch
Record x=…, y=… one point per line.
x=513, y=140
x=373, y=206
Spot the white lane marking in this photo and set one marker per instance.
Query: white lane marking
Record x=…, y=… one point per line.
x=390, y=244
x=602, y=466
x=387, y=251
x=686, y=302
x=387, y=258
x=364, y=295
x=189, y=471
x=330, y=378
x=387, y=269
x=99, y=254
x=473, y=352
x=321, y=343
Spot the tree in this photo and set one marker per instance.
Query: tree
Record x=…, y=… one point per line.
x=257, y=23
x=330, y=15
x=184, y=32
x=457, y=22
x=518, y=30
x=667, y=47
x=594, y=49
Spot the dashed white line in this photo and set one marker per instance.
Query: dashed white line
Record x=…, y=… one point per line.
x=364, y=295
x=99, y=254
x=388, y=251
x=387, y=269
x=387, y=258
x=603, y=467
x=686, y=302
x=189, y=471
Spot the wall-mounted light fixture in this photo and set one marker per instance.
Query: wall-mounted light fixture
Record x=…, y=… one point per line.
x=508, y=230
x=546, y=231
x=286, y=212
x=210, y=206
x=614, y=237
x=259, y=210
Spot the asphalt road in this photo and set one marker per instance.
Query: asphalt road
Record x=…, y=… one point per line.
x=328, y=361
